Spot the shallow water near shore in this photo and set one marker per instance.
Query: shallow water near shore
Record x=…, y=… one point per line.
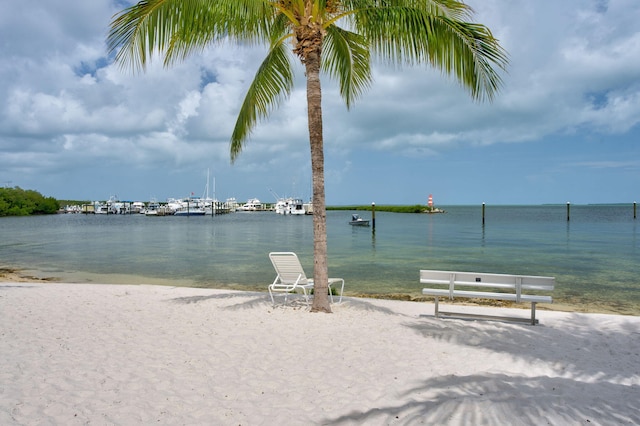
x=594, y=255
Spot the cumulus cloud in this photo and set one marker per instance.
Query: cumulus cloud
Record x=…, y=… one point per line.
x=66, y=106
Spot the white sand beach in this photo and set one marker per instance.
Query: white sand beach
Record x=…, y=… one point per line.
x=91, y=354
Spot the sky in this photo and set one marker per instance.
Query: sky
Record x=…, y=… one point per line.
x=563, y=128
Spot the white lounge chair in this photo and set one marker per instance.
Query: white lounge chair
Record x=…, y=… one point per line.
x=291, y=276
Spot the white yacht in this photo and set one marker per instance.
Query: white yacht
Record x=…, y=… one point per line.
x=294, y=206
x=252, y=205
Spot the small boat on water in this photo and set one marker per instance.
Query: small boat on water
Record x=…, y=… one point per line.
x=356, y=220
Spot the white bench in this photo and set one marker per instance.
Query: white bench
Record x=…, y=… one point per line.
x=515, y=288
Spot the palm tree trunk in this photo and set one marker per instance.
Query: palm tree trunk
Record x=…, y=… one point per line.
x=314, y=111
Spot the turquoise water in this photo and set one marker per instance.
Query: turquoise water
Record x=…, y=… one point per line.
x=594, y=256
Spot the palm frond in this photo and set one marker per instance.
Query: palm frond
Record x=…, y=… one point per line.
x=138, y=30
x=412, y=35
x=451, y=8
x=346, y=58
x=245, y=21
x=178, y=28
x=271, y=85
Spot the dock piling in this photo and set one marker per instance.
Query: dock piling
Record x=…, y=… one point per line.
x=373, y=216
x=482, y=214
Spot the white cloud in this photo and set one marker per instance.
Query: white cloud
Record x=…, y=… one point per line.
x=573, y=69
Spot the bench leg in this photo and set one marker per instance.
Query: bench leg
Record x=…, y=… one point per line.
x=436, y=307
x=533, y=313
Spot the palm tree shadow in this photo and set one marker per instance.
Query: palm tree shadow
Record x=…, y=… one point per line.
x=247, y=300
x=501, y=399
x=366, y=306
x=597, y=378
x=579, y=346
x=261, y=299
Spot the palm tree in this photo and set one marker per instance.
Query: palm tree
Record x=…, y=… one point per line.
x=337, y=37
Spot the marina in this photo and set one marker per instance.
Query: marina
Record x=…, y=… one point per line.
x=593, y=256
x=189, y=206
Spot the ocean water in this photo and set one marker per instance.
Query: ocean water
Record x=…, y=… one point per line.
x=595, y=256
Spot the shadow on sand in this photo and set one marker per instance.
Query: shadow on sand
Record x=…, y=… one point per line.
x=592, y=386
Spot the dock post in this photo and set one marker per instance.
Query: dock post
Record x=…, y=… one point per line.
x=373, y=216
x=483, y=214
x=568, y=211
x=634, y=209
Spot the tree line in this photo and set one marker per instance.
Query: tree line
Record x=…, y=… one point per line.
x=416, y=208
x=20, y=202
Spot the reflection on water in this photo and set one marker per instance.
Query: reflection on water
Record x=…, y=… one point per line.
x=593, y=256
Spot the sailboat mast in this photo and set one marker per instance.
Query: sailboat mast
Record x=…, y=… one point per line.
x=207, y=186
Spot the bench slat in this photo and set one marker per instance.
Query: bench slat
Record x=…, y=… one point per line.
x=473, y=284
x=487, y=295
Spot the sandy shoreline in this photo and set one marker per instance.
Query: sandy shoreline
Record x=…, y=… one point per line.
x=9, y=274
x=141, y=354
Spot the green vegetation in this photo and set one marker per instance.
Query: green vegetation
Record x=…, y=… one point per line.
x=417, y=208
x=20, y=202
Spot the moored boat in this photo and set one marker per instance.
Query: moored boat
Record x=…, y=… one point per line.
x=356, y=220
x=294, y=206
x=252, y=205
x=190, y=210
x=152, y=208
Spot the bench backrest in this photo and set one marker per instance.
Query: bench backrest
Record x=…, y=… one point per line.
x=513, y=283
